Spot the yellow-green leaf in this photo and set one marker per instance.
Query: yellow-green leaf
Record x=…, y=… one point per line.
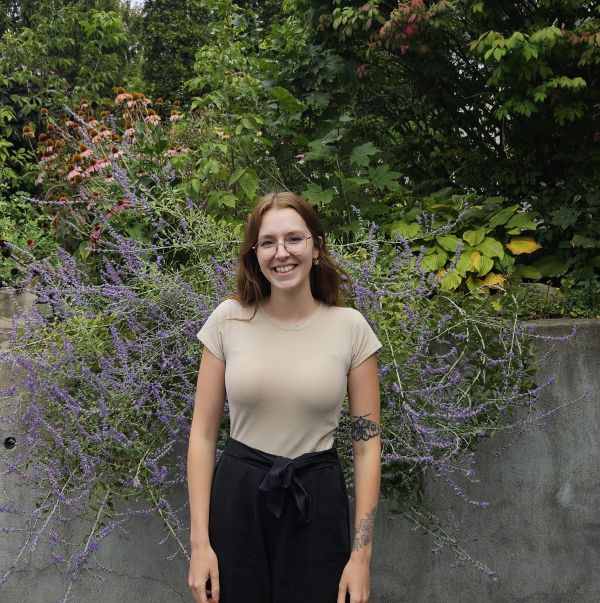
x=449, y=280
x=485, y=265
x=490, y=247
x=494, y=280
x=474, y=237
x=476, y=259
x=518, y=245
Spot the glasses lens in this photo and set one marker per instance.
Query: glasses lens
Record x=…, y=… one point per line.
x=294, y=244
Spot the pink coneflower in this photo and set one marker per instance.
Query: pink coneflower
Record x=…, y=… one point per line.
x=120, y=205
x=93, y=123
x=129, y=132
x=175, y=117
x=87, y=153
x=122, y=97
x=152, y=119
x=74, y=174
x=95, y=167
x=102, y=134
x=116, y=152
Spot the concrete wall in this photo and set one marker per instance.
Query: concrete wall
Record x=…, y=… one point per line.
x=541, y=532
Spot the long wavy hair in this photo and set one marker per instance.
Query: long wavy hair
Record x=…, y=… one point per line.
x=251, y=284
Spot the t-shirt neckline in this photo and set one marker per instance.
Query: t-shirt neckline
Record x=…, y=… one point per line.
x=295, y=326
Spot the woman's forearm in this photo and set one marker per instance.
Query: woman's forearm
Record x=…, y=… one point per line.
x=200, y=468
x=367, y=480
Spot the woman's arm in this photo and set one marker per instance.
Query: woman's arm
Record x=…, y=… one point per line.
x=208, y=412
x=363, y=396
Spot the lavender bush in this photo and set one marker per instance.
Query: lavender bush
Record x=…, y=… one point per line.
x=106, y=364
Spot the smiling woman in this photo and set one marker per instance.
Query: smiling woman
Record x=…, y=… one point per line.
x=271, y=522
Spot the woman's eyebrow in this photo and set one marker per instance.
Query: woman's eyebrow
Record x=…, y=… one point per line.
x=296, y=231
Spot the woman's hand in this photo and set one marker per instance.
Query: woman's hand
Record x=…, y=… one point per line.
x=203, y=566
x=355, y=580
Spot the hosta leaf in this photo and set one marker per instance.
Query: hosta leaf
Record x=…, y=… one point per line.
x=448, y=242
x=494, y=280
x=518, y=245
x=528, y=272
x=490, y=247
x=449, y=280
x=485, y=265
x=521, y=220
x=433, y=262
x=551, y=265
x=474, y=237
x=408, y=231
x=502, y=217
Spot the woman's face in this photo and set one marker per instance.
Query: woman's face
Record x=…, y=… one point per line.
x=277, y=226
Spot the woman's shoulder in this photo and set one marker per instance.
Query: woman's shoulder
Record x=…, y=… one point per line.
x=347, y=314
x=231, y=307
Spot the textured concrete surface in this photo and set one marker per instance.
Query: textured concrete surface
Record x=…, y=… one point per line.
x=541, y=532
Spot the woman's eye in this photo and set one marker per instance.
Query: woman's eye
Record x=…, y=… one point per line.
x=266, y=244
x=295, y=239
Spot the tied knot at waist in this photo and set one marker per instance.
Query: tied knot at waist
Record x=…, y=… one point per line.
x=283, y=474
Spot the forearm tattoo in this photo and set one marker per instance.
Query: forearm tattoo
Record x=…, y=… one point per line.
x=363, y=429
x=364, y=531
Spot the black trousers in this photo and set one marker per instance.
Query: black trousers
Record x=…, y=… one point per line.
x=280, y=527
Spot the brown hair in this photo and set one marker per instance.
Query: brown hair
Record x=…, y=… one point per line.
x=251, y=284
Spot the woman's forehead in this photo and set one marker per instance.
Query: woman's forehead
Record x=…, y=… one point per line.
x=281, y=221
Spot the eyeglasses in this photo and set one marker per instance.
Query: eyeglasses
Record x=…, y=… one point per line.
x=293, y=244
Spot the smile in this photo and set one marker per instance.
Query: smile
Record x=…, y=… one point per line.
x=284, y=269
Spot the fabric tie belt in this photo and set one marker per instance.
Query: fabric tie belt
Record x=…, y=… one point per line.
x=283, y=474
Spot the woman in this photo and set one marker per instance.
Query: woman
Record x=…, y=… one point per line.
x=270, y=524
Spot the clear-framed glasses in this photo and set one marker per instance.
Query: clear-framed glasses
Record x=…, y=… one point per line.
x=295, y=244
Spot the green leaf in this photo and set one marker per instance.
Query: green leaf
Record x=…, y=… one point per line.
x=551, y=265
x=522, y=221
x=491, y=248
x=433, y=262
x=528, y=272
x=586, y=242
x=236, y=176
x=408, y=231
x=287, y=102
x=502, y=217
x=485, y=265
x=464, y=261
x=360, y=155
x=383, y=177
x=249, y=183
x=450, y=281
x=222, y=198
x=315, y=194
x=474, y=237
x=448, y=242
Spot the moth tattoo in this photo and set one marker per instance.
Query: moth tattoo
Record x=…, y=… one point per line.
x=363, y=429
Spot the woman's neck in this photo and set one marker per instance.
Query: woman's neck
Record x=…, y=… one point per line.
x=290, y=308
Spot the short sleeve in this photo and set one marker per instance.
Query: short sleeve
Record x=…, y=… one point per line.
x=211, y=334
x=364, y=340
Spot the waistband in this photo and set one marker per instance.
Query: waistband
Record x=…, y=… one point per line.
x=283, y=474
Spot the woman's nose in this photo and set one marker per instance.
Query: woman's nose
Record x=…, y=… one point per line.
x=281, y=251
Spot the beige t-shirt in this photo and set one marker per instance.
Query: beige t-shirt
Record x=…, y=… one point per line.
x=286, y=383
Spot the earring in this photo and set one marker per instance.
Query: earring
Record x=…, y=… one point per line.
x=315, y=261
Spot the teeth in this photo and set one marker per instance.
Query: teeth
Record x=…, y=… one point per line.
x=284, y=268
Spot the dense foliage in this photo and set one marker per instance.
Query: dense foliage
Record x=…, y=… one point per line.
x=450, y=147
